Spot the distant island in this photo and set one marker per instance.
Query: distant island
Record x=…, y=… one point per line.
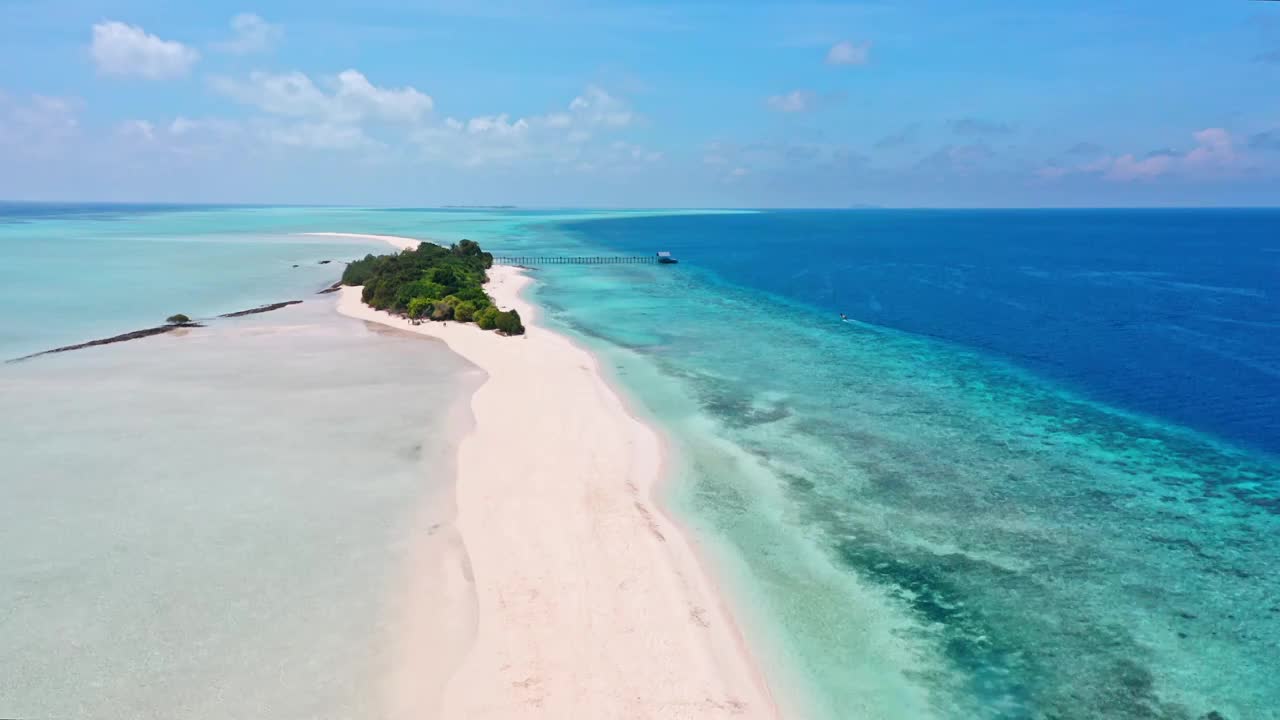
x=433, y=283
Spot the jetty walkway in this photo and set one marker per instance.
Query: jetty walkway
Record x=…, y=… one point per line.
x=534, y=260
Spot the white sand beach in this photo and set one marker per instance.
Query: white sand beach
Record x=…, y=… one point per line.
x=402, y=243
x=589, y=602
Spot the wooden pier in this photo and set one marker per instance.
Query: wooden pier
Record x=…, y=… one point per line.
x=533, y=261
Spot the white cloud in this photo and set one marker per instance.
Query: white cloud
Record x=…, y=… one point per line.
x=1127, y=167
x=597, y=107
x=497, y=126
x=794, y=101
x=120, y=49
x=291, y=94
x=1215, y=149
x=341, y=112
x=251, y=34
x=351, y=98
x=404, y=104
x=574, y=139
x=347, y=111
x=846, y=53
x=1214, y=155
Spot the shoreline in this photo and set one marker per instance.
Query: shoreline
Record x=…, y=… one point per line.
x=400, y=243
x=592, y=601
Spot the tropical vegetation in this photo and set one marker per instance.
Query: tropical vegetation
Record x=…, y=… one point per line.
x=433, y=283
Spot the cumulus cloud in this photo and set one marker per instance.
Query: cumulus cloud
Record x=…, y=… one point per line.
x=1214, y=155
x=251, y=34
x=846, y=53
x=597, y=107
x=347, y=98
x=402, y=104
x=794, y=101
x=977, y=127
x=573, y=138
x=1215, y=150
x=496, y=126
x=349, y=112
x=123, y=50
x=331, y=113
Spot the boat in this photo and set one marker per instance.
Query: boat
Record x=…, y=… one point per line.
x=664, y=258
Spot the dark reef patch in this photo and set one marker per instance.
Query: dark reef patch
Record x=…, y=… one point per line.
x=260, y=309
x=135, y=335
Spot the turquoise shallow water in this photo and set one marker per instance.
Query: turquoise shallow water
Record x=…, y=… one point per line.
x=72, y=278
x=909, y=528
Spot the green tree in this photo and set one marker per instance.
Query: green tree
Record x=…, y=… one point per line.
x=486, y=318
x=421, y=288
x=420, y=306
x=474, y=295
x=508, y=321
x=179, y=319
x=441, y=311
x=464, y=311
x=359, y=271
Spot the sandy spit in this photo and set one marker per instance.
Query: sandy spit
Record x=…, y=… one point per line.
x=589, y=602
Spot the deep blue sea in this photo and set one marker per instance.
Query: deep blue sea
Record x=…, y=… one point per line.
x=1175, y=314
x=1035, y=475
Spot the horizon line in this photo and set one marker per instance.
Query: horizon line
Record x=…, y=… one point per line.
x=637, y=208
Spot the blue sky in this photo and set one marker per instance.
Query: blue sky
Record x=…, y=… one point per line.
x=565, y=103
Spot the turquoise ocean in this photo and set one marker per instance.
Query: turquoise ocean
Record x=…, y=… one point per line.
x=1034, y=475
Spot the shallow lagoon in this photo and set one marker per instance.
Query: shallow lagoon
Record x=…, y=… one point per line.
x=222, y=522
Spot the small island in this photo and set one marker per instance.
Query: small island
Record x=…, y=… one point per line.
x=433, y=283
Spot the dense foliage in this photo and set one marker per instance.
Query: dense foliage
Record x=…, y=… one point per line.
x=433, y=283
